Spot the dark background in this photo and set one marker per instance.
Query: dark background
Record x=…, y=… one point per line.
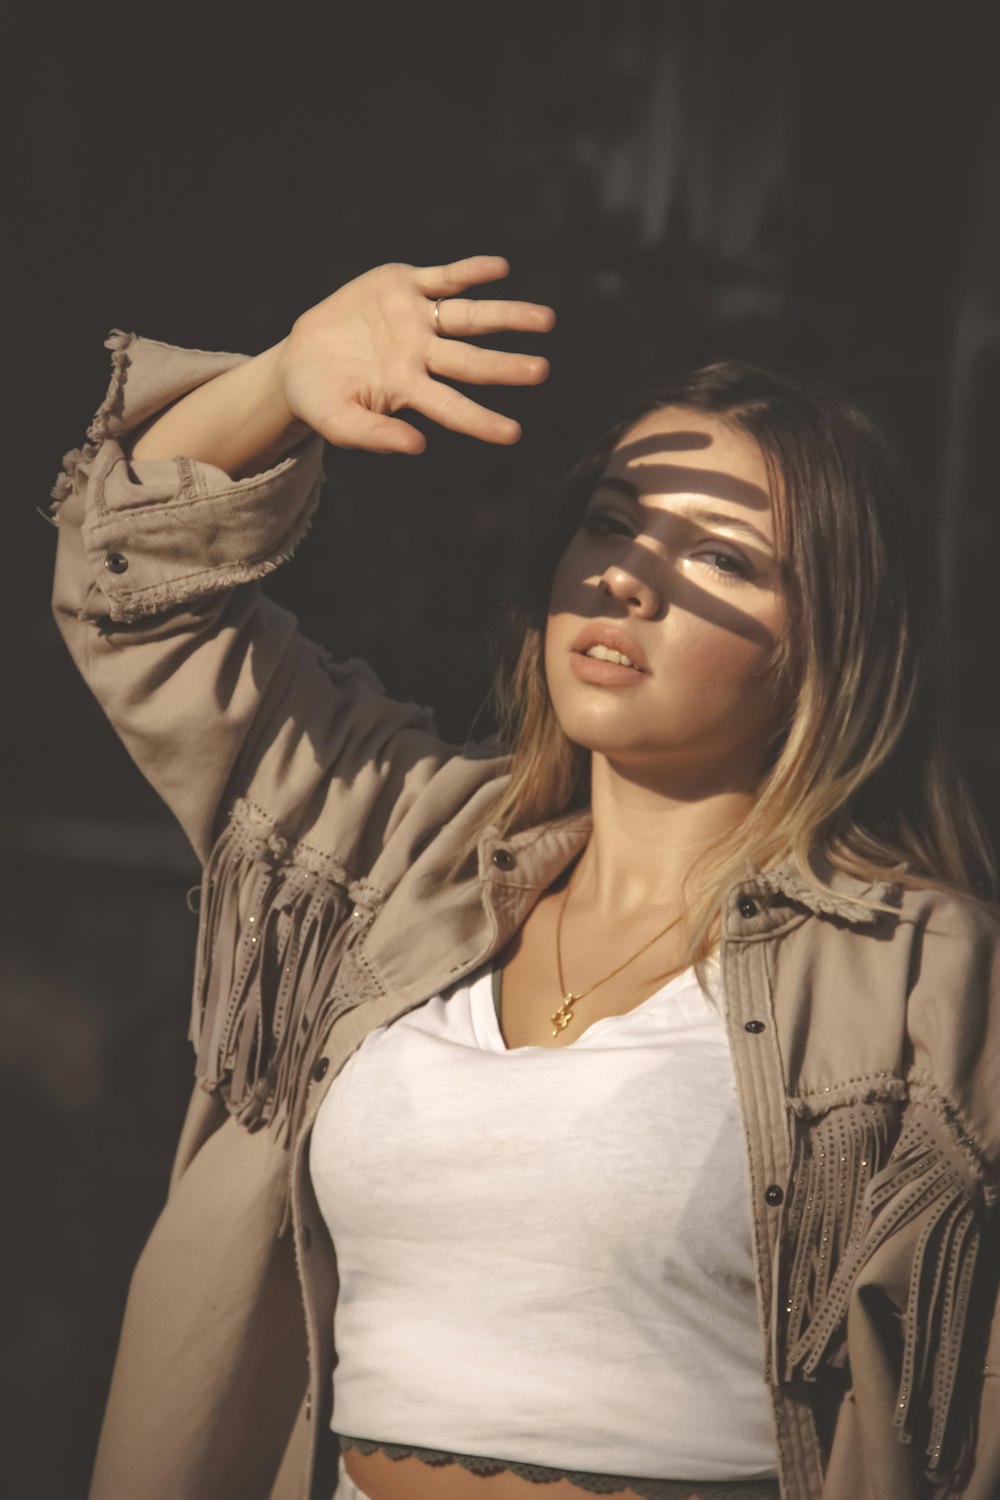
x=815, y=186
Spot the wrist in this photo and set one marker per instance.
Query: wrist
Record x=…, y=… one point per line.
x=267, y=371
x=239, y=421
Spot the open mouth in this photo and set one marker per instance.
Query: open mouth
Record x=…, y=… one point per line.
x=607, y=653
x=606, y=642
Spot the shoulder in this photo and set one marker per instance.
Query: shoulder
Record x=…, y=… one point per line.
x=954, y=959
x=949, y=916
x=953, y=1013
x=918, y=990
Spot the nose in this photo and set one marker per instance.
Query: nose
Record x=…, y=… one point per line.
x=629, y=589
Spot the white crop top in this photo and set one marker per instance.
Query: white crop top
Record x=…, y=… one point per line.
x=544, y=1253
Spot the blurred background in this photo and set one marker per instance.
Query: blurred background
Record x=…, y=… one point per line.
x=815, y=186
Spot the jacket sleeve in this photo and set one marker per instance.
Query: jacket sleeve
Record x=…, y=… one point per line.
x=921, y=1276
x=951, y=1317
x=894, y=1208
x=216, y=695
x=919, y=1315
x=291, y=774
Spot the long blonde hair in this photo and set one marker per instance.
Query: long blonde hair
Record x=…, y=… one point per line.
x=860, y=775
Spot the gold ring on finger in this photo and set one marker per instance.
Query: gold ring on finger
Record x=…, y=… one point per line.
x=437, y=316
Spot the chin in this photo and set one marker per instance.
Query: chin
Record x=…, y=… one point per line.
x=615, y=742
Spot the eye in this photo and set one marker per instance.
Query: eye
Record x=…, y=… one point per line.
x=603, y=523
x=729, y=566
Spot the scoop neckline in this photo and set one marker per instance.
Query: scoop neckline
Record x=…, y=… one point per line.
x=487, y=1027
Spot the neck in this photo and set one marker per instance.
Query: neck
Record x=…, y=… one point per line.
x=647, y=836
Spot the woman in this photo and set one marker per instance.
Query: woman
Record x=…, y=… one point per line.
x=621, y=1109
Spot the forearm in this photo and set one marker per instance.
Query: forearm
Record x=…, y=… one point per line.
x=149, y=590
x=238, y=421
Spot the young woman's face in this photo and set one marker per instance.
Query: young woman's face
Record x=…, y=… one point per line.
x=674, y=566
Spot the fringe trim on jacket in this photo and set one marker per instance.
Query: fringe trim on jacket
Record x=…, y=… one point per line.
x=851, y=1189
x=273, y=938
x=277, y=962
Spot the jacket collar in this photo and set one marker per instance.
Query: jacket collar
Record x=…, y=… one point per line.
x=543, y=852
x=847, y=898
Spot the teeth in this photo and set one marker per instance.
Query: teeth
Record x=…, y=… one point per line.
x=605, y=653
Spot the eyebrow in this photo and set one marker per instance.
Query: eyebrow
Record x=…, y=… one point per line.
x=696, y=512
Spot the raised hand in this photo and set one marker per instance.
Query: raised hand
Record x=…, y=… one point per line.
x=374, y=347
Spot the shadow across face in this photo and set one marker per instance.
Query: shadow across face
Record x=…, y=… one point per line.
x=637, y=484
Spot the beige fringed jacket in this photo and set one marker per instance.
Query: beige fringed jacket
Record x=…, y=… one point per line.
x=866, y=1047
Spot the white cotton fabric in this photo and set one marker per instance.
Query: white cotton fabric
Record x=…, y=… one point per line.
x=544, y=1253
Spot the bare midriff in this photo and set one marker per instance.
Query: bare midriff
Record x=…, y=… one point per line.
x=385, y=1478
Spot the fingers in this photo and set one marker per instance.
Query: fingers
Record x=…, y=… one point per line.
x=352, y=426
x=463, y=317
x=451, y=409
x=446, y=281
x=457, y=361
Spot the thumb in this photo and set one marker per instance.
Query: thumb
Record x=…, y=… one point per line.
x=352, y=426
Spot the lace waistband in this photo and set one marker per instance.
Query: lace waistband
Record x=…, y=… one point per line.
x=596, y=1484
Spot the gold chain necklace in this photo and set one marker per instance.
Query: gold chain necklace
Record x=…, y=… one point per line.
x=562, y=1017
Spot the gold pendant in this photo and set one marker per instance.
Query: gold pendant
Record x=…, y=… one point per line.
x=563, y=1015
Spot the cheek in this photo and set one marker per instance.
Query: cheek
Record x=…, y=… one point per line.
x=708, y=654
x=723, y=674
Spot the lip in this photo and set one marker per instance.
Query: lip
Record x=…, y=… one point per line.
x=598, y=633
x=607, y=674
